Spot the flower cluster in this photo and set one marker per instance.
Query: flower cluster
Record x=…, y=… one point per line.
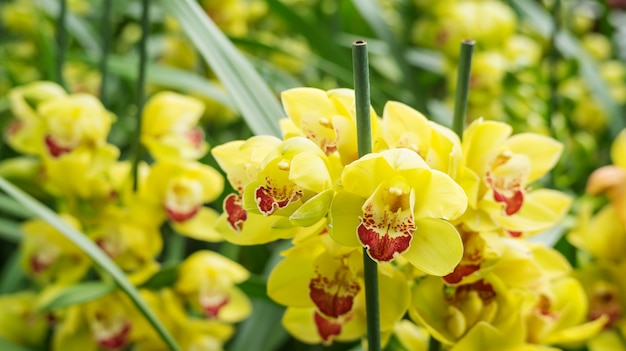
x=601, y=237
x=68, y=160
x=444, y=217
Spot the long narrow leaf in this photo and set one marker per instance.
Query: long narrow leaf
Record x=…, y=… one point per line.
x=250, y=94
x=12, y=276
x=570, y=47
x=13, y=208
x=98, y=256
x=10, y=230
x=77, y=294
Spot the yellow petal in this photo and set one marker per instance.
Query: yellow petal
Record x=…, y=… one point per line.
x=618, y=150
x=288, y=284
x=481, y=142
x=343, y=219
x=313, y=210
x=436, y=247
x=200, y=226
x=437, y=195
x=544, y=153
x=310, y=172
x=542, y=209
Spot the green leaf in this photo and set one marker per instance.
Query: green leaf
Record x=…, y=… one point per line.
x=255, y=286
x=570, y=47
x=77, y=294
x=93, y=251
x=12, y=276
x=10, y=230
x=76, y=26
x=262, y=329
x=13, y=208
x=249, y=93
x=6, y=345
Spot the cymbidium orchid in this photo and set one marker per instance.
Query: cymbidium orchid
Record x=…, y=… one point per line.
x=20, y=322
x=241, y=161
x=295, y=180
x=326, y=118
x=611, y=180
x=394, y=204
x=405, y=127
x=26, y=132
x=208, y=281
x=130, y=242
x=191, y=333
x=498, y=170
x=107, y=323
x=48, y=257
x=180, y=189
x=170, y=127
x=321, y=283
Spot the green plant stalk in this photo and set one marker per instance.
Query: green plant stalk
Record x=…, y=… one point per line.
x=553, y=59
x=141, y=87
x=462, y=86
x=106, y=46
x=98, y=256
x=61, y=34
x=364, y=140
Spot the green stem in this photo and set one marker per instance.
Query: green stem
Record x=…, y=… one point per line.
x=462, y=86
x=141, y=87
x=364, y=140
x=61, y=34
x=553, y=58
x=106, y=45
x=175, y=249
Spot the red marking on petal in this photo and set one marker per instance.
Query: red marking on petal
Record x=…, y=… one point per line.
x=103, y=245
x=116, y=341
x=604, y=301
x=326, y=328
x=512, y=204
x=196, y=137
x=14, y=127
x=38, y=265
x=212, y=309
x=269, y=199
x=485, y=292
x=460, y=271
x=334, y=296
x=55, y=149
x=237, y=215
x=178, y=217
x=514, y=234
x=382, y=248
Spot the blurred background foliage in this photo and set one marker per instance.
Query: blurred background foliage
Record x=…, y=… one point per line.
x=551, y=67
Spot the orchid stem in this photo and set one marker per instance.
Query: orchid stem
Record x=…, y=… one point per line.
x=106, y=45
x=462, y=86
x=61, y=34
x=141, y=86
x=364, y=140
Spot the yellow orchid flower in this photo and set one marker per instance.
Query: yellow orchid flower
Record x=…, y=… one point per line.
x=131, y=244
x=83, y=173
x=393, y=203
x=612, y=179
x=321, y=283
x=107, y=323
x=170, y=127
x=74, y=121
x=602, y=235
x=326, y=118
x=451, y=312
x=26, y=132
x=295, y=180
x=20, y=323
x=207, y=280
x=605, y=288
x=190, y=333
x=48, y=257
x=559, y=314
x=405, y=127
x=181, y=188
x=498, y=170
